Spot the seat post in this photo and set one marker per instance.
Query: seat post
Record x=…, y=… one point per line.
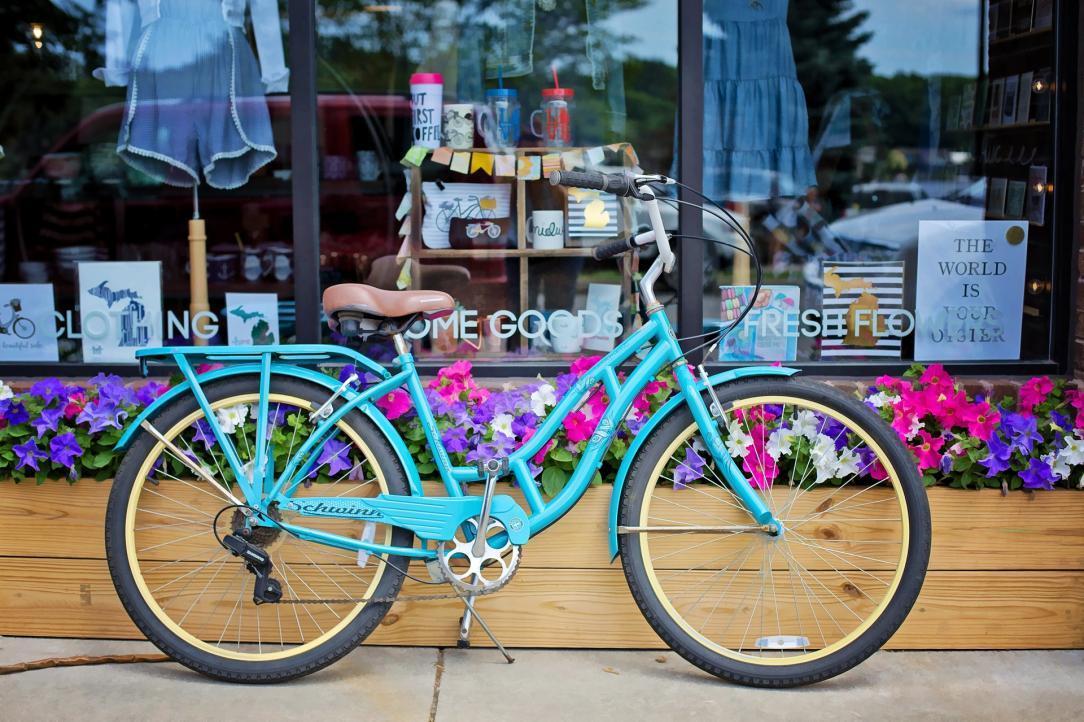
x=402, y=347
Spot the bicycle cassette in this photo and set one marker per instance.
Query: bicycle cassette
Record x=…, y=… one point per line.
x=482, y=574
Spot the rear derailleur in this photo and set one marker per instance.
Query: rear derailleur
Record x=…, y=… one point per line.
x=258, y=562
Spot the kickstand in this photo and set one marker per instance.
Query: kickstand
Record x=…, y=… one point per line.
x=470, y=613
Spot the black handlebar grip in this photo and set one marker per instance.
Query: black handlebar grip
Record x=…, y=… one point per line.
x=613, y=249
x=616, y=183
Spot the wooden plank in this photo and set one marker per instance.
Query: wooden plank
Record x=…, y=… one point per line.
x=972, y=529
x=581, y=608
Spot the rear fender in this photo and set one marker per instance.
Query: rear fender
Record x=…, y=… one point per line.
x=300, y=372
x=661, y=415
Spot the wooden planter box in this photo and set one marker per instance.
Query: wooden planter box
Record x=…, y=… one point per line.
x=1006, y=573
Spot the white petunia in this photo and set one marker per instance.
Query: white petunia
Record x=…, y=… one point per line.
x=738, y=443
x=502, y=424
x=779, y=442
x=881, y=399
x=542, y=398
x=231, y=417
x=824, y=445
x=848, y=463
x=1058, y=465
x=1073, y=451
x=826, y=467
x=805, y=423
x=5, y=391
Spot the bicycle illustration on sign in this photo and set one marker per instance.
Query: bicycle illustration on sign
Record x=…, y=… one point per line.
x=473, y=207
x=18, y=325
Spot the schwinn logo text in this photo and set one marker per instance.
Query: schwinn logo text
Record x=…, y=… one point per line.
x=362, y=512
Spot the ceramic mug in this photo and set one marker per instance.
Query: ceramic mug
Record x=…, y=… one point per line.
x=256, y=264
x=565, y=332
x=458, y=126
x=547, y=230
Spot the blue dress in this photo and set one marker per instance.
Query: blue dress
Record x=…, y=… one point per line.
x=756, y=127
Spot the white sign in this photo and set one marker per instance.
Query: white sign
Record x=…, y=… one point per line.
x=970, y=292
x=27, y=322
x=252, y=319
x=603, y=301
x=120, y=309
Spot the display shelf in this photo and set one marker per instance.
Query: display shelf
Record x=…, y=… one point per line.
x=521, y=200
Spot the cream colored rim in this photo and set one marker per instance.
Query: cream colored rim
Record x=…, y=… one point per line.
x=893, y=476
x=133, y=562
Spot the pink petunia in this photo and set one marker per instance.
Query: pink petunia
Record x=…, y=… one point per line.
x=759, y=464
x=581, y=365
x=1034, y=392
x=395, y=404
x=935, y=375
x=579, y=427
x=928, y=450
x=981, y=419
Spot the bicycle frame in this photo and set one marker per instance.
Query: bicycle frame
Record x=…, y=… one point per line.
x=435, y=519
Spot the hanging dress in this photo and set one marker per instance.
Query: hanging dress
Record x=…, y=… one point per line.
x=756, y=127
x=195, y=110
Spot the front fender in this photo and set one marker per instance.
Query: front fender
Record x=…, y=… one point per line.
x=307, y=374
x=659, y=416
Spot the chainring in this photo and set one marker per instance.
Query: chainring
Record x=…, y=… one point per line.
x=482, y=574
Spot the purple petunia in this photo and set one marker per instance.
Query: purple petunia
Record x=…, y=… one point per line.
x=63, y=450
x=689, y=470
x=1022, y=431
x=29, y=455
x=148, y=392
x=204, y=435
x=49, y=390
x=13, y=412
x=100, y=415
x=335, y=455
x=47, y=420
x=1038, y=475
x=998, y=459
x=455, y=439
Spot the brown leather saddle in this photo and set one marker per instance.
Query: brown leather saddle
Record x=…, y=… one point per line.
x=354, y=308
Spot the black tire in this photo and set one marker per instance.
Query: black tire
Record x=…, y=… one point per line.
x=212, y=665
x=761, y=675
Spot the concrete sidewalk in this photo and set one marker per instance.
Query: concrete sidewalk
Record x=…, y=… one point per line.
x=384, y=683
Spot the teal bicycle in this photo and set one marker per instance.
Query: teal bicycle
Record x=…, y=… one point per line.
x=773, y=531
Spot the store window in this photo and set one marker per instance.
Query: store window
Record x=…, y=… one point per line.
x=895, y=164
x=438, y=124
x=120, y=119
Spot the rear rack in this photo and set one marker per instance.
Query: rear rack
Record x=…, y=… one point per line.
x=300, y=354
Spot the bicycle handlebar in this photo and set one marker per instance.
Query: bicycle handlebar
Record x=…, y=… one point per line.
x=617, y=183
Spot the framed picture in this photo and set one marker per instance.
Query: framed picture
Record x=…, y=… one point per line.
x=1014, y=199
x=859, y=308
x=252, y=319
x=993, y=115
x=120, y=309
x=27, y=322
x=593, y=216
x=995, y=198
x=1008, y=100
x=770, y=330
x=1044, y=15
x=1023, y=98
x=445, y=201
x=1021, y=16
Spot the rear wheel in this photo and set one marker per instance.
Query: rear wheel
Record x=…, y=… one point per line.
x=776, y=608
x=191, y=597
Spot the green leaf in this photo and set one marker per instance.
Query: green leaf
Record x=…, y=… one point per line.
x=553, y=480
x=596, y=480
x=562, y=455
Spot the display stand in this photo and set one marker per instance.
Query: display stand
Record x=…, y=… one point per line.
x=522, y=250
x=197, y=265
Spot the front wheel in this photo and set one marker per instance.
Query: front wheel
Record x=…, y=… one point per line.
x=780, y=607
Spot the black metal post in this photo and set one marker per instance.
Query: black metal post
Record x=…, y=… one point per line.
x=304, y=163
x=690, y=148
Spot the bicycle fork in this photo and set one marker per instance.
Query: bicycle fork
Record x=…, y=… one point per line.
x=709, y=422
